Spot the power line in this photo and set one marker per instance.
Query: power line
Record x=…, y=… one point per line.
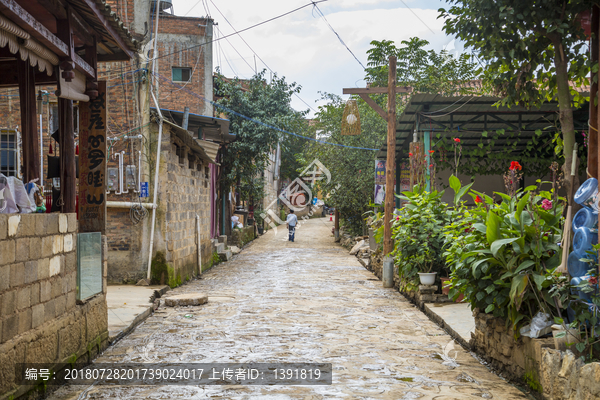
x=336, y=34
x=254, y=120
x=243, y=30
x=255, y=53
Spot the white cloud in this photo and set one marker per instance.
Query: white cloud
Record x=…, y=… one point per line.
x=301, y=46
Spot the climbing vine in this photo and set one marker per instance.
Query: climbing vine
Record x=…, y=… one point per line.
x=489, y=153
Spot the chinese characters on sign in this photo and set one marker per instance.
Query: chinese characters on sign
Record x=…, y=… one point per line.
x=92, y=158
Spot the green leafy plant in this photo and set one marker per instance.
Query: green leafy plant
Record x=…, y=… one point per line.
x=502, y=255
x=418, y=233
x=584, y=301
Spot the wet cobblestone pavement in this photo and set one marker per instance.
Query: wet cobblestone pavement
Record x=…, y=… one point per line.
x=307, y=301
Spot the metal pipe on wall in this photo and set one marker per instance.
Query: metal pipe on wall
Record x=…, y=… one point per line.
x=155, y=191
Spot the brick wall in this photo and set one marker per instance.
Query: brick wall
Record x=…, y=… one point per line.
x=40, y=320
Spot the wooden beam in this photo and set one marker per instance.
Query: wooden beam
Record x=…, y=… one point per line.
x=113, y=57
x=113, y=33
x=374, y=105
x=83, y=66
x=19, y=16
x=377, y=90
x=9, y=73
x=58, y=8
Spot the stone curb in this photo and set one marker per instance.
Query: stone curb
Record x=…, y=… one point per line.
x=140, y=317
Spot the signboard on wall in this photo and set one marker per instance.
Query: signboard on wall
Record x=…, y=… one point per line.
x=92, y=163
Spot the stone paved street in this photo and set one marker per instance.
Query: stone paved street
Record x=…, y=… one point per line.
x=307, y=301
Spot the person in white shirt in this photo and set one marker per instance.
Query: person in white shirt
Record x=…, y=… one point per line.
x=291, y=222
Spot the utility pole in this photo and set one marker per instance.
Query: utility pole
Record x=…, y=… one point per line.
x=390, y=165
x=390, y=117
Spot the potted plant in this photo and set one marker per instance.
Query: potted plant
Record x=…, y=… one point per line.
x=419, y=238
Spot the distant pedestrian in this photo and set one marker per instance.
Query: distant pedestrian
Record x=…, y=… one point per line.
x=291, y=222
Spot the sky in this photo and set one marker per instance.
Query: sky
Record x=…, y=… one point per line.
x=302, y=48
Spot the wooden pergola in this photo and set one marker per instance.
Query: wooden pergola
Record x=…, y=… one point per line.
x=57, y=42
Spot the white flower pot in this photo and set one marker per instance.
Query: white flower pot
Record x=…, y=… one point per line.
x=427, y=278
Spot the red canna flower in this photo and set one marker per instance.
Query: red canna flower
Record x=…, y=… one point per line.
x=430, y=165
x=410, y=154
x=478, y=199
x=593, y=280
x=431, y=151
x=457, y=140
x=514, y=165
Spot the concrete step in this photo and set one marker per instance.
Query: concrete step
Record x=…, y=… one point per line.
x=225, y=255
x=219, y=248
x=223, y=239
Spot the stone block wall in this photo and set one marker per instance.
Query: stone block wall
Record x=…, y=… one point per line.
x=240, y=237
x=184, y=193
x=40, y=320
x=520, y=359
x=566, y=377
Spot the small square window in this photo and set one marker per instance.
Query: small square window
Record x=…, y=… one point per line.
x=181, y=74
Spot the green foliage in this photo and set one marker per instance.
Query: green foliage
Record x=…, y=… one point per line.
x=159, y=270
x=419, y=238
x=427, y=71
x=483, y=157
x=174, y=278
x=532, y=51
x=352, y=171
x=246, y=158
x=531, y=381
x=586, y=308
x=502, y=255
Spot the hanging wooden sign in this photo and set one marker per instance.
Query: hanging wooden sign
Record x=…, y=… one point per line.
x=351, y=119
x=92, y=159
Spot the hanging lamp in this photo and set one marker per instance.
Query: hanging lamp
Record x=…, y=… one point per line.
x=351, y=119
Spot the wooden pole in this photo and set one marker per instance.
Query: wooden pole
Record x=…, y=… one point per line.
x=390, y=165
x=67, y=155
x=29, y=132
x=336, y=230
x=592, y=131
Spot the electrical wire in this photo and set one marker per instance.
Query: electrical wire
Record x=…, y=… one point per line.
x=256, y=54
x=229, y=110
x=245, y=29
x=336, y=34
x=214, y=40
x=456, y=109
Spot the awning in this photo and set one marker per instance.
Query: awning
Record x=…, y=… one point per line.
x=211, y=148
x=19, y=41
x=189, y=141
x=468, y=116
x=204, y=127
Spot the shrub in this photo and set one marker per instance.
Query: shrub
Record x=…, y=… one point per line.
x=502, y=255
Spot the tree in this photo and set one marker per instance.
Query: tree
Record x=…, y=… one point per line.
x=269, y=103
x=352, y=187
x=352, y=170
x=532, y=51
x=426, y=71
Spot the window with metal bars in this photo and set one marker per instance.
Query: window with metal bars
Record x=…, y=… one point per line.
x=8, y=153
